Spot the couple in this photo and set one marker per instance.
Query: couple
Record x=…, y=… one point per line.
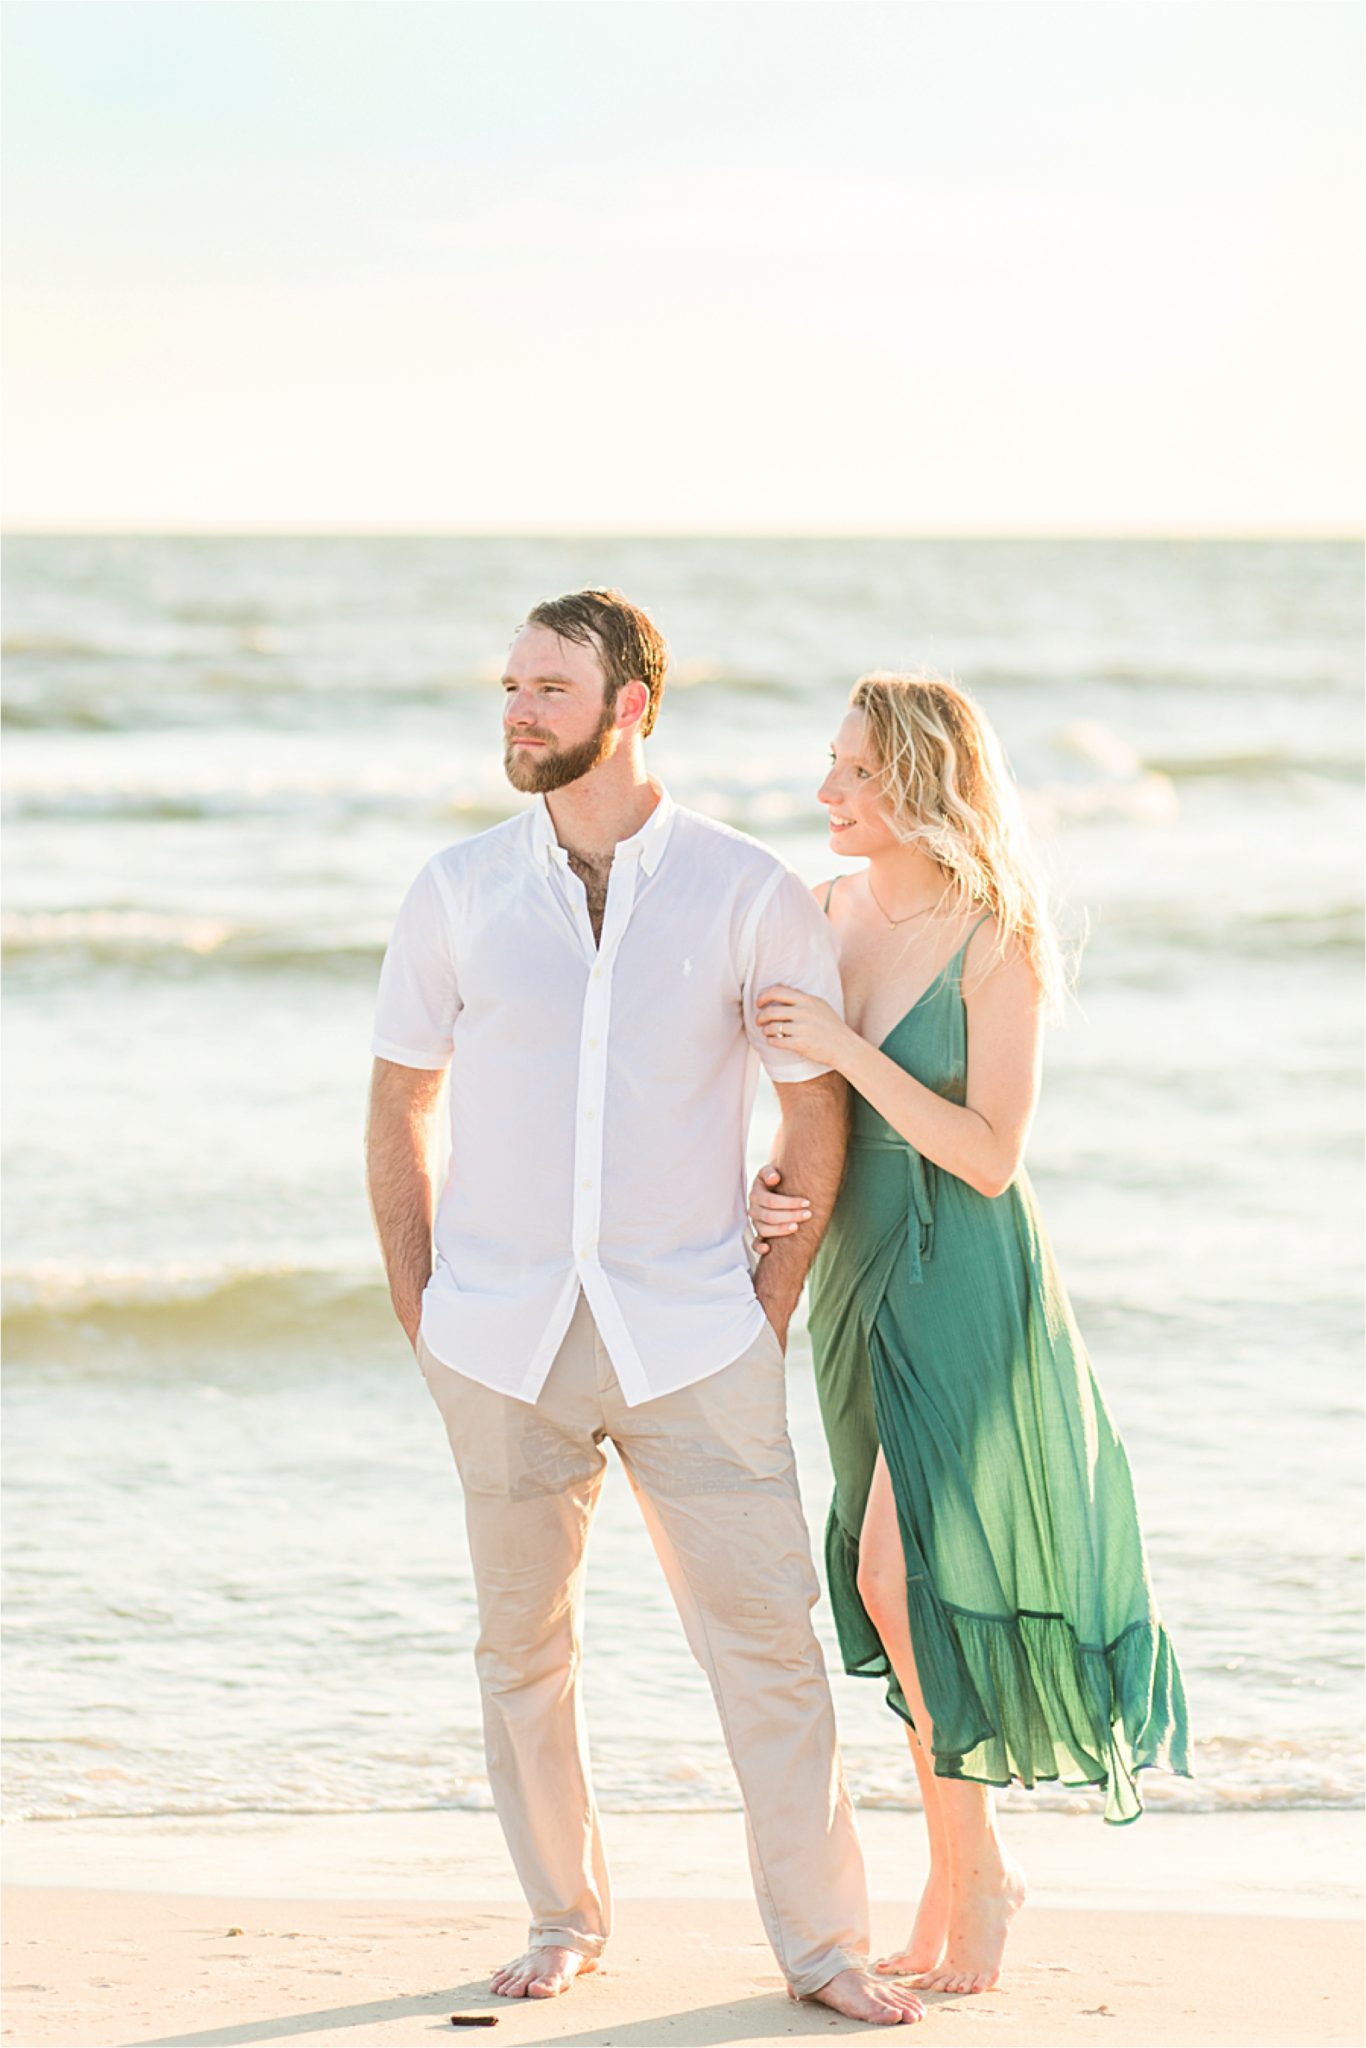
x=598, y=973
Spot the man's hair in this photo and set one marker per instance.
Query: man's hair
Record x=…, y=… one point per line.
x=626, y=640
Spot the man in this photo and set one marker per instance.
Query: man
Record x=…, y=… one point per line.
x=589, y=971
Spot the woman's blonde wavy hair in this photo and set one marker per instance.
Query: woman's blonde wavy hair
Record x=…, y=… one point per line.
x=947, y=789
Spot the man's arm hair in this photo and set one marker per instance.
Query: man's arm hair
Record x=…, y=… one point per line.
x=398, y=1175
x=809, y=1150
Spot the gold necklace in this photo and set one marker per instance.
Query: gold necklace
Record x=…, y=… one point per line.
x=910, y=916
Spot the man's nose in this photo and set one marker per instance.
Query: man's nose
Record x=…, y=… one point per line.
x=517, y=711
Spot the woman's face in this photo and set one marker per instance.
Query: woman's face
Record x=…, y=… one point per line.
x=851, y=793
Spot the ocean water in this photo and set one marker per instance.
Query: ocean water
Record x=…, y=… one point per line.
x=236, y=1577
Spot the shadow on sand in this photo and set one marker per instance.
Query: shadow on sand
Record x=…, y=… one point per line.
x=740, y=2019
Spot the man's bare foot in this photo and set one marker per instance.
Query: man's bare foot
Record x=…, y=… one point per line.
x=925, y=1949
x=541, y=1973
x=979, y=1921
x=860, y=1997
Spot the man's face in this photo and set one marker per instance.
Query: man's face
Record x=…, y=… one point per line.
x=555, y=726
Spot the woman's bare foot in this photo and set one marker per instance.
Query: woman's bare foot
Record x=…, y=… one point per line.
x=860, y=1997
x=979, y=1921
x=541, y=1973
x=925, y=1949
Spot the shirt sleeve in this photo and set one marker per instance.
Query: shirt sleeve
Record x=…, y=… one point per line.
x=791, y=944
x=419, y=999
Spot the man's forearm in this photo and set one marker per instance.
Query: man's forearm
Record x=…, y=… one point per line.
x=399, y=1179
x=809, y=1150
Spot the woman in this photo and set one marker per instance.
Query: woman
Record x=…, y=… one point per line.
x=983, y=1547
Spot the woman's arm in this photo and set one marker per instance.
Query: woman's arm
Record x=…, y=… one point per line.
x=981, y=1141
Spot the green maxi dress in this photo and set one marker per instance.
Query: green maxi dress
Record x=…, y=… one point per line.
x=942, y=1333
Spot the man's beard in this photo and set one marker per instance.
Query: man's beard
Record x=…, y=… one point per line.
x=550, y=767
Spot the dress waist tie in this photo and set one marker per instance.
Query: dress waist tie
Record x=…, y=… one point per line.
x=919, y=1205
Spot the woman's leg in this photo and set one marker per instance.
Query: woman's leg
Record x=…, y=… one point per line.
x=974, y=1888
x=882, y=1570
x=925, y=1948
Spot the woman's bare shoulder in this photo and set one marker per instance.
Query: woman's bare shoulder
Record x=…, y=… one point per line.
x=1005, y=967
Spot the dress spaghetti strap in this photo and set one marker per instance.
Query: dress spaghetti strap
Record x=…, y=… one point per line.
x=828, y=894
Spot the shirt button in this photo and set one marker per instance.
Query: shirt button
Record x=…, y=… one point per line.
x=588, y=1114
x=593, y=1044
x=597, y=974
x=586, y=1183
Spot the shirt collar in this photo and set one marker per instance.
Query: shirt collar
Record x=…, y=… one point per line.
x=647, y=845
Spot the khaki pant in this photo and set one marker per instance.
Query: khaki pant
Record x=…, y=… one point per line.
x=712, y=1469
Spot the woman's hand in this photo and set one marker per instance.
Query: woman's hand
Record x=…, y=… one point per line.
x=774, y=1215
x=802, y=1024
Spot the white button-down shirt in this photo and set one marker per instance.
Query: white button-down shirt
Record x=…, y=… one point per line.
x=600, y=1095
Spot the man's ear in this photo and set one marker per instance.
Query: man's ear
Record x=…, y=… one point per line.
x=633, y=701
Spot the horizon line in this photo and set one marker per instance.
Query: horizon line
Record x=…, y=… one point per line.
x=570, y=533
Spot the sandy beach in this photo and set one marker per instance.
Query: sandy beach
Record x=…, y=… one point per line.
x=138, y=1968
x=1215, y=1929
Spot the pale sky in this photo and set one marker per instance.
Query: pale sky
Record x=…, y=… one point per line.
x=674, y=266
